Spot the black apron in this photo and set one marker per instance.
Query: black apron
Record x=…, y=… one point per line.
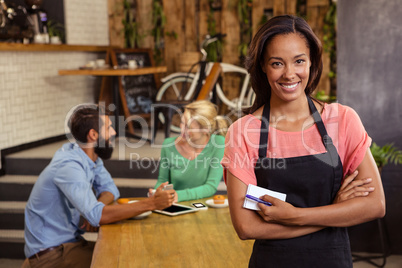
x=308, y=181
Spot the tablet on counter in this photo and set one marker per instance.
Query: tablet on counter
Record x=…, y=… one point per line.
x=176, y=209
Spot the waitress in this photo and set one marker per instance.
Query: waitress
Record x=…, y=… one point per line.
x=317, y=154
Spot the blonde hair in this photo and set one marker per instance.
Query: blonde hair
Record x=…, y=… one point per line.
x=205, y=113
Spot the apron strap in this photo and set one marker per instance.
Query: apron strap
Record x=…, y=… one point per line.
x=326, y=139
x=329, y=146
x=320, y=125
x=262, y=149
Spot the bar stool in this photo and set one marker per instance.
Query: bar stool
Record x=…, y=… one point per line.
x=384, y=246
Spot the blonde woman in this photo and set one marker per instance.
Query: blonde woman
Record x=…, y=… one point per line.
x=191, y=162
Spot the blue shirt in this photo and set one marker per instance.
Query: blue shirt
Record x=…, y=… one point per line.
x=63, y=192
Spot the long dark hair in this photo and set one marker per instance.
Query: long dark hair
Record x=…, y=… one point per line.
x=285, y=24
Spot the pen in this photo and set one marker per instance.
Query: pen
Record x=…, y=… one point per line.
x=258, y=200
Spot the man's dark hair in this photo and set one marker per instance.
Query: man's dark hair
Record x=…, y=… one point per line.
x=85, y=118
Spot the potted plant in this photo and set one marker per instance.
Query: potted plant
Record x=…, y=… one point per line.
x=386, y=154
x=131, y=28
x=322, y=96
x=55, y=31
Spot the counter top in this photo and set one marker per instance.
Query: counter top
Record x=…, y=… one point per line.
x=50, y=47
x=115, y=72
x=201, y=239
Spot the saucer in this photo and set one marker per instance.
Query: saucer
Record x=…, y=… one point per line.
x=141, y=216
x=210, y=203
x=138, y=217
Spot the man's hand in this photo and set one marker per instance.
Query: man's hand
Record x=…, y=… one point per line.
x=352, y=187
x=163, y=198
x=87, y=226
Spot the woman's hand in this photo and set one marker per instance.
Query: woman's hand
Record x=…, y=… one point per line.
x=163, y=198
x=352, y=187
x=280, y=211
x=284, y=213
x=151, y=192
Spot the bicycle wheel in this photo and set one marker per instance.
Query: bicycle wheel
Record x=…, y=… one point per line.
x=171, y=90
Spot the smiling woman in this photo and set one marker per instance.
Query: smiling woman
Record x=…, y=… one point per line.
x=327, y=172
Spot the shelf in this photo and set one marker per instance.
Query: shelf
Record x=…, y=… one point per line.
x=116, y=72
x=50, y=47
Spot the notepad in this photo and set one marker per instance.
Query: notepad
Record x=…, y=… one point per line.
x=258, y=192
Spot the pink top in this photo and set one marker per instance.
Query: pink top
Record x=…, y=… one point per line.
x=343, y=126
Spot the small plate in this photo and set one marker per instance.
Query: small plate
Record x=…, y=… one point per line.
x=210, y=202
x=142, y=215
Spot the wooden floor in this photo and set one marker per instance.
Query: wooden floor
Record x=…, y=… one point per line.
x=393, y=261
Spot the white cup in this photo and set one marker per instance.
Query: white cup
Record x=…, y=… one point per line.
x=132, y=64
x=149, y=194
x=90, y=64
x=100, y=63
x=55, y=40
x=39, y=39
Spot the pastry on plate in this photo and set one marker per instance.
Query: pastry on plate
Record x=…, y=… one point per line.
x=219, y=199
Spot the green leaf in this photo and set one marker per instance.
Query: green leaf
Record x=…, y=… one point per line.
x=386, y=154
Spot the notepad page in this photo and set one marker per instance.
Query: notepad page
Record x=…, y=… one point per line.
x=258, y=192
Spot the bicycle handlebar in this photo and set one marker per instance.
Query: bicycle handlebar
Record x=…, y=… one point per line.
x=208, y=40
x=219, y=36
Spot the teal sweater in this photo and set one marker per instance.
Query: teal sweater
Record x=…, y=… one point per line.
x=192, y=179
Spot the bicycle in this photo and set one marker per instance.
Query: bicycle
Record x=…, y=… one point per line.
x=175, y=85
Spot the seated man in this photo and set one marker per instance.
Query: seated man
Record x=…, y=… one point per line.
x=64, y=192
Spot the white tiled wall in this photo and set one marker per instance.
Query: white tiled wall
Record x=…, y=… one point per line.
x=34, y=99
x=86, y=22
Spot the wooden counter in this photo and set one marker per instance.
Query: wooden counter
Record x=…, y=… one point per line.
x=201, y=239
x=50, y=47
x=118, y=90
x=115, y=72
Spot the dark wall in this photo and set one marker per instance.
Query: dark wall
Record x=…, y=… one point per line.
x=54, y=9
x=370, y=81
